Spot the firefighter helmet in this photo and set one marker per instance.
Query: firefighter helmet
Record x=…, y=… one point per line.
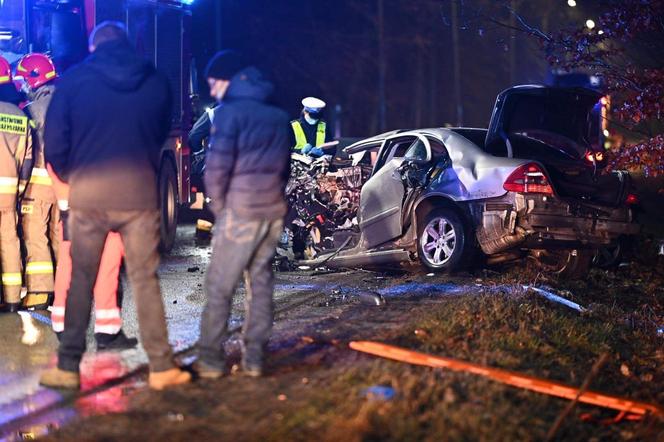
x=5, y=71
x=36, y=70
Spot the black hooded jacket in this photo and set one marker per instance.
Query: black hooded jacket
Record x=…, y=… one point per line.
x=105, y=128
x=248, y=159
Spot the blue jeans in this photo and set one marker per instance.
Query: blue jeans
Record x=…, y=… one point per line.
x=240, y=247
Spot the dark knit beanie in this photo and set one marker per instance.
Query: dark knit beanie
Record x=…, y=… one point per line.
x=224, y=65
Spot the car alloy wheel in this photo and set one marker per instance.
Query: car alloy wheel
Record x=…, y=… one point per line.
x=438, y=241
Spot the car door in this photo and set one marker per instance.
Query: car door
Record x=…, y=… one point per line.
x=382, y=196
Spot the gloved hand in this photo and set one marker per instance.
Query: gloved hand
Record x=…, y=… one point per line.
x=64, y=218
x=306, y=148
x=316, y=152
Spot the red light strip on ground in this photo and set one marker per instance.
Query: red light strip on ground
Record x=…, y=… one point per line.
x=507, y=377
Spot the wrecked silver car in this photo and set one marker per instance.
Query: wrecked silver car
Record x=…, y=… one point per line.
x=524, y=187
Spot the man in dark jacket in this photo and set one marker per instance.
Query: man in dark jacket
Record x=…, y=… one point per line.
x=104, y=130
x=246, y=171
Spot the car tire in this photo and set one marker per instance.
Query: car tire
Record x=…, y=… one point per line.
x=566, y=263
x=446, y=254
x=609, y=257
x=168, y=206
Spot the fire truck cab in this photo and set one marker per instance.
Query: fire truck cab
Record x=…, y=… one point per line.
x=160, y=31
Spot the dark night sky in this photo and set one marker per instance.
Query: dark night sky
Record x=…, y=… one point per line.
x=329, y=48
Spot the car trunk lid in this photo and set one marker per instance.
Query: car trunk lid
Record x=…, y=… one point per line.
x=551, y=126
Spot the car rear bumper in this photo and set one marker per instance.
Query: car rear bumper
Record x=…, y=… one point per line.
x=518, y=221
x=583, y=230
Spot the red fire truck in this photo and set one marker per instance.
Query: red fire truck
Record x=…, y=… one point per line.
x=160, y=31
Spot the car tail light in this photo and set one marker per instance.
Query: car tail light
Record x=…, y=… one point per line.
x=529, y=178
x=631, y=199
x=592, y=157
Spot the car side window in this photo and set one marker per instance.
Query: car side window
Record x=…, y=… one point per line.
x=438, y=149
x=417, y=151
x=395, y=149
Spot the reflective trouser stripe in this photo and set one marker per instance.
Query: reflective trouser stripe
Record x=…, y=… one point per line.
x=58, y=318
x=39, y=268
x=108, y=320
x=12, y=279
x=300, y=137
x=109, y=313
x=108, y=329
x=8, y=185
x=320, y=133
x=40, y=176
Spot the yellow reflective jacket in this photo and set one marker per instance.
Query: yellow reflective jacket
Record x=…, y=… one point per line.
x=301, y=138
x=15, y=153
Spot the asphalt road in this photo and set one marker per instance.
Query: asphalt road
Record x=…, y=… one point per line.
x=28, y=346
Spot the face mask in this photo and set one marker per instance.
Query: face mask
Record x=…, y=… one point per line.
x=310, y=120
x=218, y=88
x=220, y=93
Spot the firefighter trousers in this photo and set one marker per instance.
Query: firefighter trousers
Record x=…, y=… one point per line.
x=10, y=257
x=39, y=220
x=107, y=306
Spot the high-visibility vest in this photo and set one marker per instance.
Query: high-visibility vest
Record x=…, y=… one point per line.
x=301, y=138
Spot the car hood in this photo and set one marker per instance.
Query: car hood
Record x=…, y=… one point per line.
x=545, y=113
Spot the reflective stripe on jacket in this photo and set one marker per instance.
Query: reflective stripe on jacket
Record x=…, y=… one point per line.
x=301, y=138
x=39, y=186
x=15, y=153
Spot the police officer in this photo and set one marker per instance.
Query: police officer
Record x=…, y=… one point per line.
x=39, y=209
x=15, y=164
x=310, y=131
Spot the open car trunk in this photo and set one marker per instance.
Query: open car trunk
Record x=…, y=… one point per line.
x=551, y=126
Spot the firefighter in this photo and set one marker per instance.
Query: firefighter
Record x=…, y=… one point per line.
x=310, y=131
x=15, y=164
x=39, y=209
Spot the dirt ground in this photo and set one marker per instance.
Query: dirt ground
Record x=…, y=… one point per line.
x=316, y=387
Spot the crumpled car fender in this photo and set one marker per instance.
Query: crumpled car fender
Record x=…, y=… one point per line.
x=473, y=174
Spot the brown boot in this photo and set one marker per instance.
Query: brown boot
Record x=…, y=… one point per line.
x=57, y=378
x=158, y=380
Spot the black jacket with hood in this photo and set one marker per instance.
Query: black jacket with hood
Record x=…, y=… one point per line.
x=105, y=128
x=248, y=160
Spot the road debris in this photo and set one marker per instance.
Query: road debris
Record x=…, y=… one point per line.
x=175, y=417
x=379, y=393
x=512, y=378
x=548, y=294
x=371, y=298
x=624, y=370
x=570, y=406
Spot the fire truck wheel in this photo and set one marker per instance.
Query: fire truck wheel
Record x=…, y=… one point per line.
x=168, y=202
